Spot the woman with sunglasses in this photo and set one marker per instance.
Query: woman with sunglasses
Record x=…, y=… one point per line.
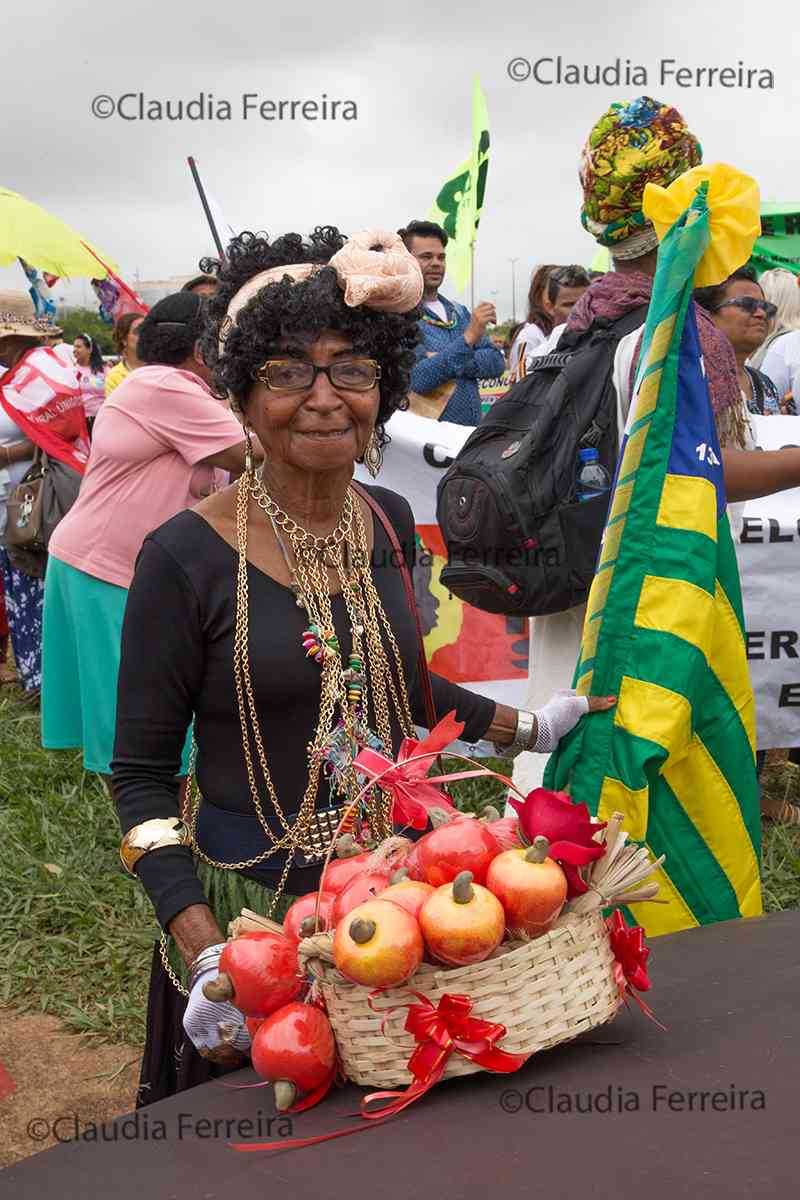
x=740, y=310
x=284, y=622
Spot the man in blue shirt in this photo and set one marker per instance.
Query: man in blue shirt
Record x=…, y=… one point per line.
x=454, y=352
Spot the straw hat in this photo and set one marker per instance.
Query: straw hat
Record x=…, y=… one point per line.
x=18, y=319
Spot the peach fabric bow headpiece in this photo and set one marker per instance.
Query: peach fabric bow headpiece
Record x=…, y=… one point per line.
x=373, y=268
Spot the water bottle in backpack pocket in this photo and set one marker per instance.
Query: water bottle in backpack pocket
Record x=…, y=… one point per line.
x=593, y=479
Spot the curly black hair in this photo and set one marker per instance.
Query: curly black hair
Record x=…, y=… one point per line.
x=308, y=307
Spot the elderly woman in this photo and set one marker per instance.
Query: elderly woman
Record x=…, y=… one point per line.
x=276, y=613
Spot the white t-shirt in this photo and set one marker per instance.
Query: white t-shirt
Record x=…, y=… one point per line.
x=436, y=306
x=782, y=363
x=528, y=342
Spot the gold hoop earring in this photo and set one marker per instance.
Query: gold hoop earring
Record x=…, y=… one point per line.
x=373, y=455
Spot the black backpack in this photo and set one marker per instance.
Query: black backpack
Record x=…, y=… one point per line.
x=518, y=540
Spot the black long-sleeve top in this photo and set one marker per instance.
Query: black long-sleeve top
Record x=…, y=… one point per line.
x=177, y=663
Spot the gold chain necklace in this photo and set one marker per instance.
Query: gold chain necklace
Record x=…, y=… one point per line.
x=340, y=688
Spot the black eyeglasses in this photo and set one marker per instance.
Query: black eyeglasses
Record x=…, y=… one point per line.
x=297, y=375
x=749, y=304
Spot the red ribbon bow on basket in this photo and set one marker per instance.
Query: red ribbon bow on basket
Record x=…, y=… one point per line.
x=413, y=796
x=439, y=1030
x=631, y=954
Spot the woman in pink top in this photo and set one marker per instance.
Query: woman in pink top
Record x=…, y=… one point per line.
x=157, y=441
x=91, y=372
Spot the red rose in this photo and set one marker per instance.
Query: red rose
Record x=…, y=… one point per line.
x=567, y=826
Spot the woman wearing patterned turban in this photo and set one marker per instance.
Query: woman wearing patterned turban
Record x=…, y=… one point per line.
x=635, y=143
x=630, y=146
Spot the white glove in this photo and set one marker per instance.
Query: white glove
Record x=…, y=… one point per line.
x=203, y=1017
x=561, y=714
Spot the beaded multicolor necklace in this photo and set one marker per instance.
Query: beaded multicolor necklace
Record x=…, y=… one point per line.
x=437, y=322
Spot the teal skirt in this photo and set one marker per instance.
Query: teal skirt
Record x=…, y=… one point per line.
x=81, y=634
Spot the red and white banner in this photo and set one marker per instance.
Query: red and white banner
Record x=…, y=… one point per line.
x=42, y=397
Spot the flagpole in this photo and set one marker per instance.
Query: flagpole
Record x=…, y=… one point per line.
x=204, y=202
x=513, y=262
x=472, y=277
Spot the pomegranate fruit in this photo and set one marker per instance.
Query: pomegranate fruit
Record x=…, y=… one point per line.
x=530, y=886
x=410, y=894
x=258, y=973
x=379, y=944
x=299, y=919
x=462, y=922
x=365, y=886
x=342, y=871
x=463, y=844
x=295, y=1048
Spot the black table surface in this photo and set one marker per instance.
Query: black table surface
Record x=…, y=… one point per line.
x=729, y=996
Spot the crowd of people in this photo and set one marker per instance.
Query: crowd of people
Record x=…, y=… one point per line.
x=217, y=577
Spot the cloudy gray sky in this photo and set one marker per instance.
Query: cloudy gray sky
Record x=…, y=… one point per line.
x=409, y=68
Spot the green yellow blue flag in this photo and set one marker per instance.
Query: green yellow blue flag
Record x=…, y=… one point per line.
x=664, y=629
x=457, y=208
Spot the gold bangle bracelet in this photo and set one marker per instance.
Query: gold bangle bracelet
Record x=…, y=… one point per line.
x=152, y=835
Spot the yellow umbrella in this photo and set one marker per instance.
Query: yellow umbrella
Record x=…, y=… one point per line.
x=30, y=232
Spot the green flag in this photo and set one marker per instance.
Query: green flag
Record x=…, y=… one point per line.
x=602, y=260
x=458, y=206
x=664, y=631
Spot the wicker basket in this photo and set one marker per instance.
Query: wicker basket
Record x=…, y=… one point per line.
x=545, y=991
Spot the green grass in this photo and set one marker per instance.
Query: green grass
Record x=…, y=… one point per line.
x=76, y=933
x=780, y=868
